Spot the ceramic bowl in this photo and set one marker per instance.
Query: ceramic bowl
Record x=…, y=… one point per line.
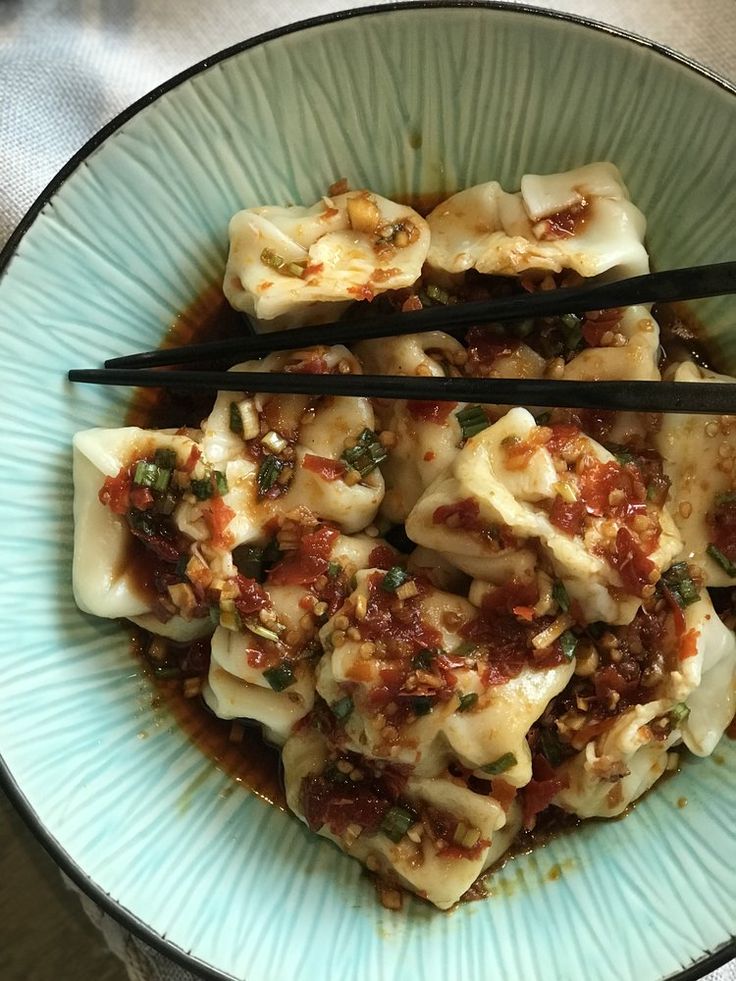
x=406, y=100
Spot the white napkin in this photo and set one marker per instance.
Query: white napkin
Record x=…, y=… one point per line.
x=69, y=66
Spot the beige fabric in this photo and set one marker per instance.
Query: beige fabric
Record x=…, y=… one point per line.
x=67, y=67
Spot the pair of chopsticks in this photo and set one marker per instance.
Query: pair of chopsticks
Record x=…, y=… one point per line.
x=637, y=396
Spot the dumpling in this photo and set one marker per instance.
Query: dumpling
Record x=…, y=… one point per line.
x=699, y=454
x=557, y=490
x=432, y=836
x=581, y=220
x=626, y=346
x=278, y=451
x=117, y=510
x=421, y=678
x=424, y=436
x=619, y=766
x=305, y=264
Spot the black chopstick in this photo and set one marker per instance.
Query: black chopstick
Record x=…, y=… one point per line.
x=691, y=283
x=712, y=398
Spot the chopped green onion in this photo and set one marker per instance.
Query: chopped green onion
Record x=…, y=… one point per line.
x=396, y=822
x=679, y=713
x=272, y=259
x=522, y=328
x=142, y=522
x=394, y=578
x=568, y=643
x=679, y=582
x=181, y=565
x=421, y=705
x=215, y=614
x=501, y=765
x=560, y=596
x=422, y=660
x=236, y=420
x=472, y=419
x=342, y=708
x=727, y=498
x=161, y=483
x=165, y=504
x=467, y=701
x=571, y=330
x=165, y=458
x=333, y=570
x=248, y=560
x=439, y=295
x=367, y=453
x=202, y=489
x=259, y=630
x=622, y=453
x=146, y=474
x=543, y=418
x=268, y=473
x=465, y=649
x=220, y=482
x=723, y=561
x=550, y=746
x=280, y=677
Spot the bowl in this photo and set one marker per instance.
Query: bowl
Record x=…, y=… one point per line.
x=407, y=99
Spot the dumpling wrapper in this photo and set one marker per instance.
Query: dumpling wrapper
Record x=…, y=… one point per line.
x=495, y=232
x=442, y=880
x=692, y=456
x=103, y=584
x=343, y=264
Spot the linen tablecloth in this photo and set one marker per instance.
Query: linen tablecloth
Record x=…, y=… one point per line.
x=67, y=67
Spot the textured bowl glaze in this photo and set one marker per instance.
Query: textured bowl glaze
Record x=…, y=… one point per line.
x=405, y=100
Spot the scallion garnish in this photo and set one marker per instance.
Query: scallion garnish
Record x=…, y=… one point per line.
x=142, y=522
x=146, y=474
x=236, y=420
x=396, y=822
x=501, y=765
x=280, y=677
x=467, y=701
x=181, y=565
x=394, y=578
x=550, y=746
x=257, y=628
x=202, y=489
x=333, y=570
x=568, y=643
x=680, y=583
x=422, y=660
x=729, y=497
x=268, y=473
x=543, y=418
x=572, y=330
x=438, y=295
x=679, y=713
x=465, y=649
x=165, y=504
x=248, y=560
x=622, y=453
x=421, y=705
x=560, y=596
x=472, y=419
x=367, y=453
x=215, y=614
x=220, y=482
x=723, y=561
x=342, y=708
x=165, y=458
x=286, y=267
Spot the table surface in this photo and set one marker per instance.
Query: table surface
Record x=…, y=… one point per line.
x=66, y=68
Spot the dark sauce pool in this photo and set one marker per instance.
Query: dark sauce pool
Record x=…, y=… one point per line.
x=241, y=750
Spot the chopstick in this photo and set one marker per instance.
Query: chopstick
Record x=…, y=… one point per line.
x=690, y=283
x=712, y=398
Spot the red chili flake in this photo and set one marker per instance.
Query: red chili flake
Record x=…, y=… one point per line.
x=467, y=512
x=324, y=467
x=485, y=347
x=545, y=784
x=361, y=292
x=306, y=563
x=411, y=303
x=115, y=492
x=568, y=516
x=382, y=557
x=194, y=454
x=313, y=269
x=504, y=793
x=429, y=456
x=141, y=498
x=630, y=561
x=218, y=516
x=689, y=644
x=252, y=598
x=429, y=411
x=315, y=365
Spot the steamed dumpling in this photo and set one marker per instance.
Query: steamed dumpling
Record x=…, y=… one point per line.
x=581, y=220
x=305, y=264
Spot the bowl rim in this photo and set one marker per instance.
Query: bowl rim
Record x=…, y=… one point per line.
x=710, y=960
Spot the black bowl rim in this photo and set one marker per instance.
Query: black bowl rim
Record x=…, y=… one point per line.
x=711, y=960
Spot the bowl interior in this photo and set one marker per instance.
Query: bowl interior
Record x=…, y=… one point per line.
x=404, y=101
